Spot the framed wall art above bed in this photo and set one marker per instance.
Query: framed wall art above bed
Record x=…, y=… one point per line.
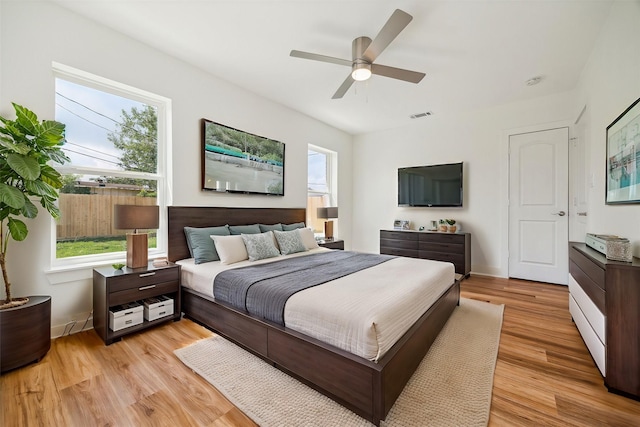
x=234, y=161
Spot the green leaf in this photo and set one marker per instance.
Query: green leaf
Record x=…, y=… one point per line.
x=52, y=132
x=11, y=196
x=29, y=210
x=49, y=204
x=17, y=229
x=41, y=189
x=27, y=119
x=16, y=133
x=25, y=166
x=10, y=144
x=51, y=176
x=58, y=156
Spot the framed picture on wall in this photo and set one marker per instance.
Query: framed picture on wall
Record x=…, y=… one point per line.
x=623, y=157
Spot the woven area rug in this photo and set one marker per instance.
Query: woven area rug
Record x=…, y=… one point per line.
x=451, y=387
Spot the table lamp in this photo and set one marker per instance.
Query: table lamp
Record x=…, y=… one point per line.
x=328, y=213
x=134, y=217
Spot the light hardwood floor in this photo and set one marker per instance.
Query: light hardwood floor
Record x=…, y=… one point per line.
x=544, y=375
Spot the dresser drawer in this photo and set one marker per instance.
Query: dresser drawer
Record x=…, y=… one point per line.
x=589, y=268
x=398, y=235
x=135, y=281
x=388, y=250
x=441, y=247
x=443, y=256
x=595, y=292
x=590, y=338
x=442, y=238
x=589, y=309
x=399, y=244
x=142, y=292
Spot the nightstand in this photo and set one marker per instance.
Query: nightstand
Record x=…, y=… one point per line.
x=331, y=244
x=113, y=288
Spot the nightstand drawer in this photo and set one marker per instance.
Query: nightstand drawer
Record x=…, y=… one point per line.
x=142, y=292
x=137, y=280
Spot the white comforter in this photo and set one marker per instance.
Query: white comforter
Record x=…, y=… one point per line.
x=364, y=313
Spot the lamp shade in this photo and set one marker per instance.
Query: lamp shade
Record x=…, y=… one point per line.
x=328, y=213
x=134, y=217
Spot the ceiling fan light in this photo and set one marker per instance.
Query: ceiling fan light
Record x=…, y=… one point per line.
x=361, y=72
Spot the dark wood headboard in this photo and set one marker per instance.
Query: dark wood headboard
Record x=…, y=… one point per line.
x=196, y=216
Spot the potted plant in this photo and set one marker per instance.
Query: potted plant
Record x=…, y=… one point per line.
x=452, y=225
x=442, y=225
x=26, y=148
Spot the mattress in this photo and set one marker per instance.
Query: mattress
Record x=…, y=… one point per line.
x=364, y=313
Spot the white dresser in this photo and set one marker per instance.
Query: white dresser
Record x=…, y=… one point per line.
x=604, y=301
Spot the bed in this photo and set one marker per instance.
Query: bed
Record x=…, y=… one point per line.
x=368, y=388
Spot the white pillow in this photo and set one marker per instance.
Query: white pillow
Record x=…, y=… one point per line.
x=230, y=249
x=308, y=239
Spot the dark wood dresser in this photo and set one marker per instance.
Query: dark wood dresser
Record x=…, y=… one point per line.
x=604, y=302
x=449, y=247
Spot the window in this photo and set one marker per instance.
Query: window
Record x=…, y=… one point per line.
x=116, y=139
x=321, y=184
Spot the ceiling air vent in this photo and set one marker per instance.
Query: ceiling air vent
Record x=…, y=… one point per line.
x=417, y=116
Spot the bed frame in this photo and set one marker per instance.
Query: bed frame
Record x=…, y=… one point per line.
x=369, y=389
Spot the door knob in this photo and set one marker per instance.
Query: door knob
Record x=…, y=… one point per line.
x=561, y=213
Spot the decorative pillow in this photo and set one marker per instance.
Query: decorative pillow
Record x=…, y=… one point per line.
x=200, y=244
x=244, y=229
x=260, y=246
x=273, y=227
x=294, y=226
x=231, y=249
x=308, y=239
x=290, y=242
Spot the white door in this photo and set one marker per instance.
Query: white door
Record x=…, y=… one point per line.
x=538, y=205
x=579, y=179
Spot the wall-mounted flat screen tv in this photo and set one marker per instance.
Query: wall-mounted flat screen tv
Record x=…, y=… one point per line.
x=235, y=161
x=431, y=186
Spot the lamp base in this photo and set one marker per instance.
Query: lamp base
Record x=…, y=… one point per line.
x=328, y=230
x=137, y=250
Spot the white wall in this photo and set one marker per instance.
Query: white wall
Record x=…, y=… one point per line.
x=609, y=84
x=476, y=138
x=33, y=34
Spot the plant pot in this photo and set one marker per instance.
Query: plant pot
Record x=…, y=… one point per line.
x=25, y=333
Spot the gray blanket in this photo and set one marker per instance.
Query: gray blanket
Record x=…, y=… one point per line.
x=264, y=289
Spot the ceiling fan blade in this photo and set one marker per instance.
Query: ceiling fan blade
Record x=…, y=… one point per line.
x=321, y=58
x=397, y=73
x=344, y=87
x=396, y=23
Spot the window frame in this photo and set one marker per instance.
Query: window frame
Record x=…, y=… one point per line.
x=332, y=177
x=163, y=167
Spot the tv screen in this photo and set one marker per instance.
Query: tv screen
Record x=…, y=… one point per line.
x=235, y=161
x=430, y=186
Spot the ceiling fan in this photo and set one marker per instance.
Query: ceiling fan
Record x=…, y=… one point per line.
x=364, y=53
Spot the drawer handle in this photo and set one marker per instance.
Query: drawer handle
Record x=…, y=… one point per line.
x=144, y=288
x=147, y=274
